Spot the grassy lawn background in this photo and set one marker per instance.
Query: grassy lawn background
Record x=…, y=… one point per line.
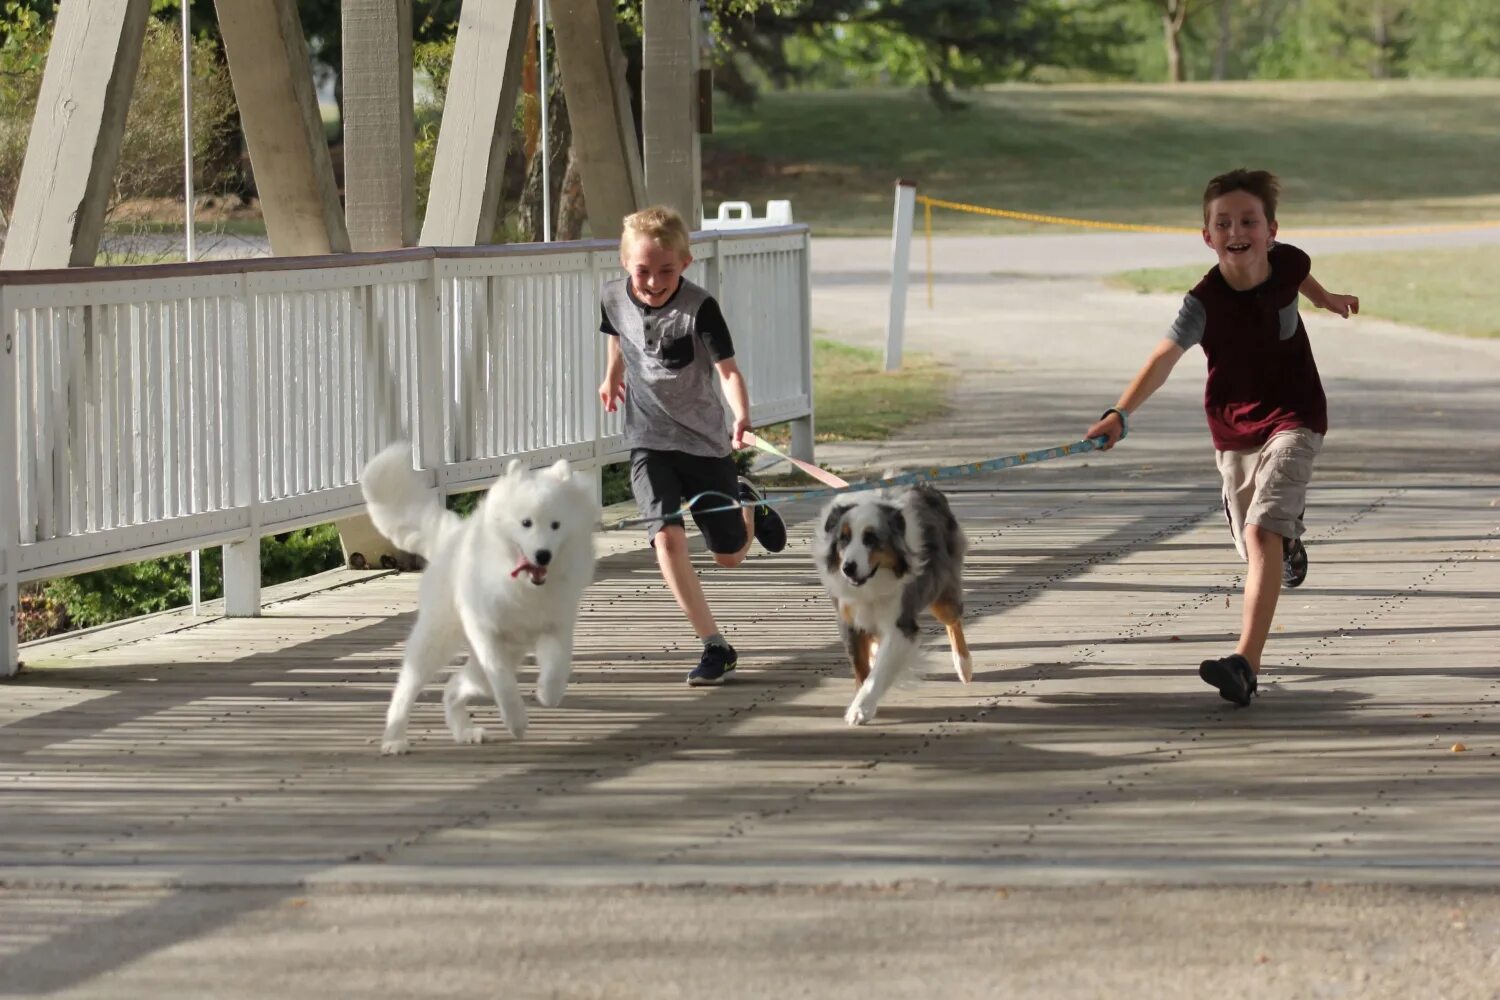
x=1348, y=153
x=854, y=399
x=1453, y=290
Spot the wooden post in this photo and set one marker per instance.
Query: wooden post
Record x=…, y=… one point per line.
x=10, y=514
x=593, y=72
x=464, y=199
x=380, y=201
x=76, y=132
x=895, y=327
x=669, y=107
x=803, y=431
x=242, y=559
x=271, y=70
x=380, y=195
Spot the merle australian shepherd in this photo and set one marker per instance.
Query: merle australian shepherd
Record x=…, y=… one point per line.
x=886, y=558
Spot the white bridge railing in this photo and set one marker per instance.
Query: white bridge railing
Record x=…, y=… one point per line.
x=158, y=409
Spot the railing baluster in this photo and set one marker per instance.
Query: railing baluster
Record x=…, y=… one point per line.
x=182, y=399
x=11, y=439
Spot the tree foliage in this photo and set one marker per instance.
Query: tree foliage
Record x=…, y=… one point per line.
x=150, y=163
x=931, y=43
x=1319, y=39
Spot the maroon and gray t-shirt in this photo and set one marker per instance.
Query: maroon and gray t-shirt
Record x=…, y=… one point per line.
x=1261, y=375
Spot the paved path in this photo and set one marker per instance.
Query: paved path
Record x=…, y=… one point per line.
x=187, y=804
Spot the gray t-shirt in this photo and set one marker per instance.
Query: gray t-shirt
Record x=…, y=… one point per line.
x=671, y=400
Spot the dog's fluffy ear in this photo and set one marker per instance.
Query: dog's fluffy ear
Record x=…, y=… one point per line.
x=562, y=470
x=895, y=525
x=514, y=467
x=833, y=515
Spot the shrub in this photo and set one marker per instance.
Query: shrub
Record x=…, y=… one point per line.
x=151, y=153
x=108, y=595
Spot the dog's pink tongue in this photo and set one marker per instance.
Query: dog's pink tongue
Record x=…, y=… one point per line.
x=524, y=565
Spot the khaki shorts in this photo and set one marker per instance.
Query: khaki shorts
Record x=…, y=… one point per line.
x=1267, y=486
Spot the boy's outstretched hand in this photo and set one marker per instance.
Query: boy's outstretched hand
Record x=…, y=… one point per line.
x=1344, y=305
x=1108, y=426
x=611, y=392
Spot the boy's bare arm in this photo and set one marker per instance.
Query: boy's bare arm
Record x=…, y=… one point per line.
x=612, y=389
x=738, y=396
x=1324, y=299
x=1152, y=376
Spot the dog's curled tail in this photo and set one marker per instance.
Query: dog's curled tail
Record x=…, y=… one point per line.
x=402, y=507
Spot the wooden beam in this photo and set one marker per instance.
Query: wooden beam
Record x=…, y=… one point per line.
x=380, y=202
x=76, y=134
x=271, y=70
x=604, y=137
x=464, y=198
x=669, y=107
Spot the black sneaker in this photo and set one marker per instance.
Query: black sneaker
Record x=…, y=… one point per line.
x=1293, y=562
x=770, y=529
x=1232, y=676
x=717, y=663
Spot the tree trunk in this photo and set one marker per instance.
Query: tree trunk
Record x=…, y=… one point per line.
x=1380, y=34
x=559, y=142
x=1173, y=13
x=1226, y=40
x=571, y=210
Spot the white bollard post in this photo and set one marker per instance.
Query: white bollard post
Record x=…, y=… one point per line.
x=901, y=226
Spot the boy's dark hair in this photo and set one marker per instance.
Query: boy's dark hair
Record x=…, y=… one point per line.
x=1261, y=183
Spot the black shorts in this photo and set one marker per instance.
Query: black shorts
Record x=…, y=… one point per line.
x=663, y=480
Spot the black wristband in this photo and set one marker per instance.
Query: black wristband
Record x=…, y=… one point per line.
x=1124, y=420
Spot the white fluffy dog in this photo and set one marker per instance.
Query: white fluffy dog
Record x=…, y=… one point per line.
x=506, y=581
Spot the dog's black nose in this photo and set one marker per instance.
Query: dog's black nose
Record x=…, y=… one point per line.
x=543, y=556
x=851, y=568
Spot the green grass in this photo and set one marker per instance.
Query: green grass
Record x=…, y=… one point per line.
x=1348, y=153
x=173, y=227
x=1453, y=290
x=854, y=399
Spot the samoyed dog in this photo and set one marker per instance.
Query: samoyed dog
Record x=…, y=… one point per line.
x=505, y=581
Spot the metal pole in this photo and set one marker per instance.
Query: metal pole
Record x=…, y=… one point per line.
x=541, y=65
x=187, y=201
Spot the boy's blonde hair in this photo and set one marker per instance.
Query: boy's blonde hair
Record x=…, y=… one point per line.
x=662, y=226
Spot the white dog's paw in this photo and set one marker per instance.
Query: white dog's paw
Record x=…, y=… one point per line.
x=858, y=715
x=550, y=690
x=468, y=734
x=964, y=667
x=391, y=747
x=516, y=721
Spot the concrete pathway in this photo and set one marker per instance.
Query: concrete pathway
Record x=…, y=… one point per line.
x=200, y=807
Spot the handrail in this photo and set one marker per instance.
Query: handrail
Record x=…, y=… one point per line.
x=367, y=258
x=158, y=408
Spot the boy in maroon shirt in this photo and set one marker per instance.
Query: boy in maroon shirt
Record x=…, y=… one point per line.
x=1264, y=400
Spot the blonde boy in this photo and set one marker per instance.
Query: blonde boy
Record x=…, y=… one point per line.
x=667, y=342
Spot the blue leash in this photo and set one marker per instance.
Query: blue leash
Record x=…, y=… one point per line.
x=934, y=474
